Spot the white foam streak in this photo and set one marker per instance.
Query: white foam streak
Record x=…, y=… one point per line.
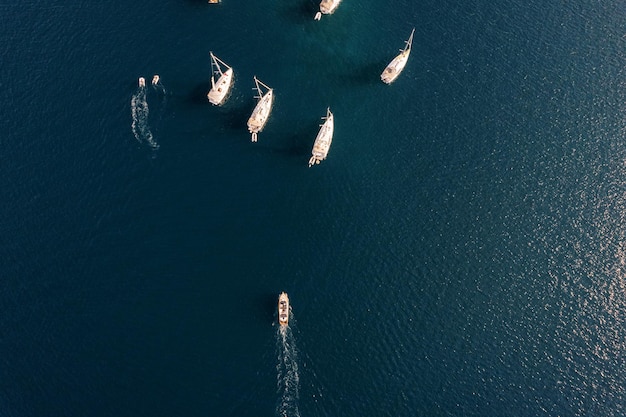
x=139, y=112
x=288, y=377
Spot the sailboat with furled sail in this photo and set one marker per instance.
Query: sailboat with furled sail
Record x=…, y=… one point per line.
x=263, y=108
x=323, y=140
x=221, y=87
x=327, y=7
x=396, y=66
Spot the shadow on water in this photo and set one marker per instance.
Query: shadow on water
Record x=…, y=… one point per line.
x=236, y=116
x=198, y=94
x=300, y=12
x=297, y=145
x=269, y=303
x=368, y=74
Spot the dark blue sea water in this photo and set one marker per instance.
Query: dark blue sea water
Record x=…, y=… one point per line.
x=461, y=252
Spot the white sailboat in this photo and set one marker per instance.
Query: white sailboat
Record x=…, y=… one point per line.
x=327, y=7
x=396, y=66
x=262, y=111
x=323, y=140
x=221, y=87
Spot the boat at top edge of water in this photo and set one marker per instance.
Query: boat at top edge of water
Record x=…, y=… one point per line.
x=327, y=7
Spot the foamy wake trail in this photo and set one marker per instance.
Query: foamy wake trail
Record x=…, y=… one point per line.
x=288, y=384
x=139, y=111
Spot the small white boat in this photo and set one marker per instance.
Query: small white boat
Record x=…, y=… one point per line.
x=323, y=140
x=262, y=111
x=283, y=309
x=155, y=80
x=327, y=7
x=221, y=87
x=142, y=82
x=396, y=66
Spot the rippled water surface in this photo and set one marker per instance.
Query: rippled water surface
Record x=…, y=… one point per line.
x=460, y=252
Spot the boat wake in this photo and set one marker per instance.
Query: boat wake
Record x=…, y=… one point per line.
x=159, y=105
x=139, y=112
x=288, y=382
x=158, y=85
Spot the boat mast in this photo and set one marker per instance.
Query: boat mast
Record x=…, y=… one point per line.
x=258, y=88
x=215, y=66
x=259, y=83
x=409, y=42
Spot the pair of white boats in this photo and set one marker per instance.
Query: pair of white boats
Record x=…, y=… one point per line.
x=155, y=81
x=221, y=83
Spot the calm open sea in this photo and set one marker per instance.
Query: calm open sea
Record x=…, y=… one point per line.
x=461, y=252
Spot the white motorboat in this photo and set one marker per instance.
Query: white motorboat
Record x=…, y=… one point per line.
x=283, y=309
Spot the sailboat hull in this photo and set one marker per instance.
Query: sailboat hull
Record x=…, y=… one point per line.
x=220, y=88
x=261, y=113
x=395, y=67
x=323, y=140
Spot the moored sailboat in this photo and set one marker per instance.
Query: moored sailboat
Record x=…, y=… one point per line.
x=323, y=140
x=262, y=111
x=283, y=309
x=221, y=87
x=396, y=66
x=327, y=7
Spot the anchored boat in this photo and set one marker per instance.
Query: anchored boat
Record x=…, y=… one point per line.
x=327, y=7
x=283, y=309
x=263, y=108
x=323, y=140
x=396, y=66
x=219, y=88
